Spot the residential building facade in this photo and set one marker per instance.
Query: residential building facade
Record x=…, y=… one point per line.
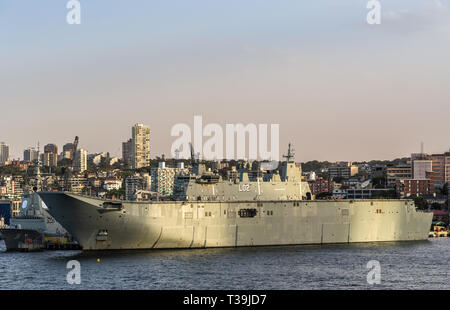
x=4, y=153
x=80, y=162
x=127, y=154
x=50, y=155
x=342, y=170
x=414, y=187
x=394, y=174
x=30, y=154
x=321, y=185
x=140, y=146
x=163, y=179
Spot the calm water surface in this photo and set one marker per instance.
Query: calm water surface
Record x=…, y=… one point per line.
x=405, y=265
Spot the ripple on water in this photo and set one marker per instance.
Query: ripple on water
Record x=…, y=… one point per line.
x=410, y=265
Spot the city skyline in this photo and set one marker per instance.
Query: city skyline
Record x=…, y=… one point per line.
x=153, y=156
x=339, y=88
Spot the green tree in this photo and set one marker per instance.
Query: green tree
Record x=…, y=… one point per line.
x=445, y=189
x=421, y=203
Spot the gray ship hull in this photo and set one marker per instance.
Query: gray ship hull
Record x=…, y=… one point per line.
x=201, y=224
x=15, y=238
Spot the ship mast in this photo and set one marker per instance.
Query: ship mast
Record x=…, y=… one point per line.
x=38, y=171
x=290, y=154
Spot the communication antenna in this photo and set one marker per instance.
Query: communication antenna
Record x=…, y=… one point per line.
x=290, y=153
x=38, y=170
x=421, y=147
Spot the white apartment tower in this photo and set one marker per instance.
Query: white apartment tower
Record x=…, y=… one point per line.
x=140, y=150
x=80, y=163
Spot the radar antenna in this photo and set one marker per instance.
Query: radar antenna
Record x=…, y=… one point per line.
x=290, y=154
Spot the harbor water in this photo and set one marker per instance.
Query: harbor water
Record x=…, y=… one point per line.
x=404, y=265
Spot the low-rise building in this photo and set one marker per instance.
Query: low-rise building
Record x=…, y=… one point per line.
x=413, y=187
x=98, y=158
x=394, y=174
x=136, y=183
x=358, y=193
x=321, y=185
x=77, y=184
x=112, y=184
x=163, y=178
x=95, y=182
x=377, y=171
x=342, y=170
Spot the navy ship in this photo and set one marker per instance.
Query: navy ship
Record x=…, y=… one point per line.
x=269, y=209
x=29, y=229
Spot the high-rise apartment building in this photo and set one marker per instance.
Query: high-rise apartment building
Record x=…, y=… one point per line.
x=127, y=153
x=50, y=155
x=68, y=150
x=80, y=163
x=30, y=154
x=140, y=136
x=4, y=153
